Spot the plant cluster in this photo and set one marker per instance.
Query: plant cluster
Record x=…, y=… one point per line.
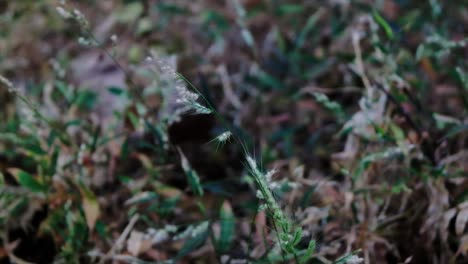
x=233, y=132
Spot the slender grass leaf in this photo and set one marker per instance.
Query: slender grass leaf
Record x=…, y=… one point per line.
x=308, y=253
x=130, y=12
x=192, y=176
x=310, y=24
x=27, y=180
x=383, y=23
x=53, y=162
x=248, y=38
x=462, y=77
x=456, y=130
x=196, y=239
x=291, y=9
x=227, y=221
x=116, y=91
x=348, y=258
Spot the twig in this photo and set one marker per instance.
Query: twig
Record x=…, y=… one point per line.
x=227, y=87
x=405, y=114
x=359, y=62
x=118, y=244
x=9, y=250
x=13, y=90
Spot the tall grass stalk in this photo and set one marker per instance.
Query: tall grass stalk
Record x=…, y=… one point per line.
x=288, y=235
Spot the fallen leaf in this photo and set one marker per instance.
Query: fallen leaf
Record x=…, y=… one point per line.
x=91, y=210
x=446, y=222
x=463, y=249
x=460, y=223
x=137, y=243
x=27, y=180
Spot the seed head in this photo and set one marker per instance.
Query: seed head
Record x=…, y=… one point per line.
x=63, y=13
x=224, y=137
x=8, y=84
x=252, y=164
x=114, y=39
x=200, y=109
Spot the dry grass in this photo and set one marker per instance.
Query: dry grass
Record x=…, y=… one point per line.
x=149, y=132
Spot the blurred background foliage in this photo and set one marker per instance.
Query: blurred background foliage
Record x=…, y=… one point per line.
x=361, y=107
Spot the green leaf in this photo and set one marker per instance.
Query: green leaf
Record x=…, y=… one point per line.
x=424, y=51
x=400, y=187
x=196, y=239
x=456, y=130
x=308, y=253
x=291, y=9
x=346, y=258
x=213, y=18
x=101, y=229
x=27, y=180
x=383, y=23
x=133, y=119
x=35, y=148
x=398, y=133
x=443, y=121
x=130, y=12
x=310, y=24
x=2, y=179
x=142, y=197
x=227, y=222
x=462, y=77
x=53, y=162
x=330, y=105
x=64, y=89
x=192, y=176
x=86, y=100
x=437, y=46
x=248, y=38
x=172, y=9
x=145, y=25
x=366, y=161
x=268, y=80
x=116, y=90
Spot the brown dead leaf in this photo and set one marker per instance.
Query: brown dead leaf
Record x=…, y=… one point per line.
x=137, y=243
x=4, y=251
x=260, y=233
x=462, y=219
x=446, y=222
x=97, y=72
x=463, y=249
x=154, y=254
x=428, y=68
x=391, y=9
